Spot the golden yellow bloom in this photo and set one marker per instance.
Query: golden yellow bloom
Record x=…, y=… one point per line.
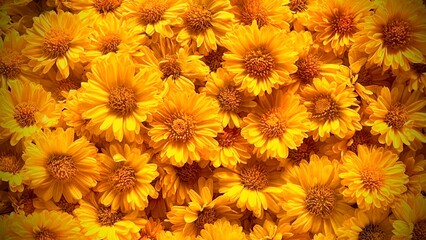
x=410, y=219
x=259, y=58
x=26, y=109
x=221, y=230
x=278, y=123
x=415, y=169
x=180, y=131
x=56, y=38
x=374, y=177
x=11, y=164
x=125, y=178
x=92, y=11
x=268, y=230
x=415, y=77
x=303, y=152
x=301, y=12
x=151, y=229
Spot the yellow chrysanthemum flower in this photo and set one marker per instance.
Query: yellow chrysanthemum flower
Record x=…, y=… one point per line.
x=409, y=220
x=278, y=123
x=312, y=196
x=415, y=77
x=181, y=132
x=222, y=229
x=26, y=109
x=373, y=178
x=117, y=101
x=11, y=164
x=56, y=38
x=92, y=11
x=125, y=178
x=268, y=230
x=398, y=117
x=151, y=229
x=301, y=12
x=332, y=107
x=259, y=58
x=58, y=165
x=393, y=37
x=303, y=152
x=415, y=169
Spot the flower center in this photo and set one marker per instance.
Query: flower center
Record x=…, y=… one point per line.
x=342, y=23
x=298, y=5
x=307, y=68
x=181, y=127
x=419, y=231
x=229, y=99
x=10, y=62
x=151, y=12
x=10, y=162
x=372, y=179
x=271, y=124
x=228, y=137
x=105, y=6
x=110, y=43
x=320, y=200
x=419, y=68
x=397, y=116
x=359, y=138
x=214, y=59
x=325, y=107
x=372, y=232
x=66, y=206
x=188, y=172
x=198, y=19
x=252, y=10
x=122, y=100
x=170, y=67
x=44, y=234
x=303, y=151
x=61, y=166
x=207, y=216
x=259, y=63
x=24, y=114
x=56, y=43
x=254, y=177
x=124, y=178
x=106, y=217
x=396, y=34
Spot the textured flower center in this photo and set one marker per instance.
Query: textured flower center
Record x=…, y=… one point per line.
x=228, y=137
x=10, y=162
x=372, y=179
x=198, y=19
x=61, y=166
x=188, y=172
x=396, y=116
x=214, y=59
x=342, y=23
x=110, y=43
x=254, y=177
x=298, y=5
x=307, y=68
x=259, y=63
x=151, y=12
x=170, y=67
x=325, y=107
x=181, y=127
x=419, y=68
x=252, y=10
x=106, y=217
x=66, y=206
x=229, y=99
x=44, y=234
x=105, y=6
x=419, y=231
x=207, y=216
x=397, y=34
x=372, y=232
x=359, y=138
x=24, y=114
x=56, y=43
x=124, y=178
x=320, y=200
x=303, y=151
x=271, y=124
x=10, y=62
x=122, y=100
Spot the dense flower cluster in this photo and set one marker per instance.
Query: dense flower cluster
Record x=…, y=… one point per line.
x=221, y=119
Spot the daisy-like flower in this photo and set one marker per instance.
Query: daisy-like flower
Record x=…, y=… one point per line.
x=392, y=37
x=151, y=229
x=415, y=77
x=415, y=169
x=331, y=107
x=259, y=59
x=203, y=209
x=11, y=164
x=254, y=186
x=101, y=222
x=56, y=38
x=23, y=203
x=61, y=205
x=26, y=109
x=117, y=100
x=92, y=11
x=44, y=225
x=155, y=16
x=315, y=201
x=278, y=123
x=58, y=165
x=409, y=221
x=232, y=102
x=222, y=229
x=126, y=177
x=268, y=230
x=373, y=178
x=301, y=12
x=335, y=22
x=398, y=116
x=205, y=23
x=181, y=132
